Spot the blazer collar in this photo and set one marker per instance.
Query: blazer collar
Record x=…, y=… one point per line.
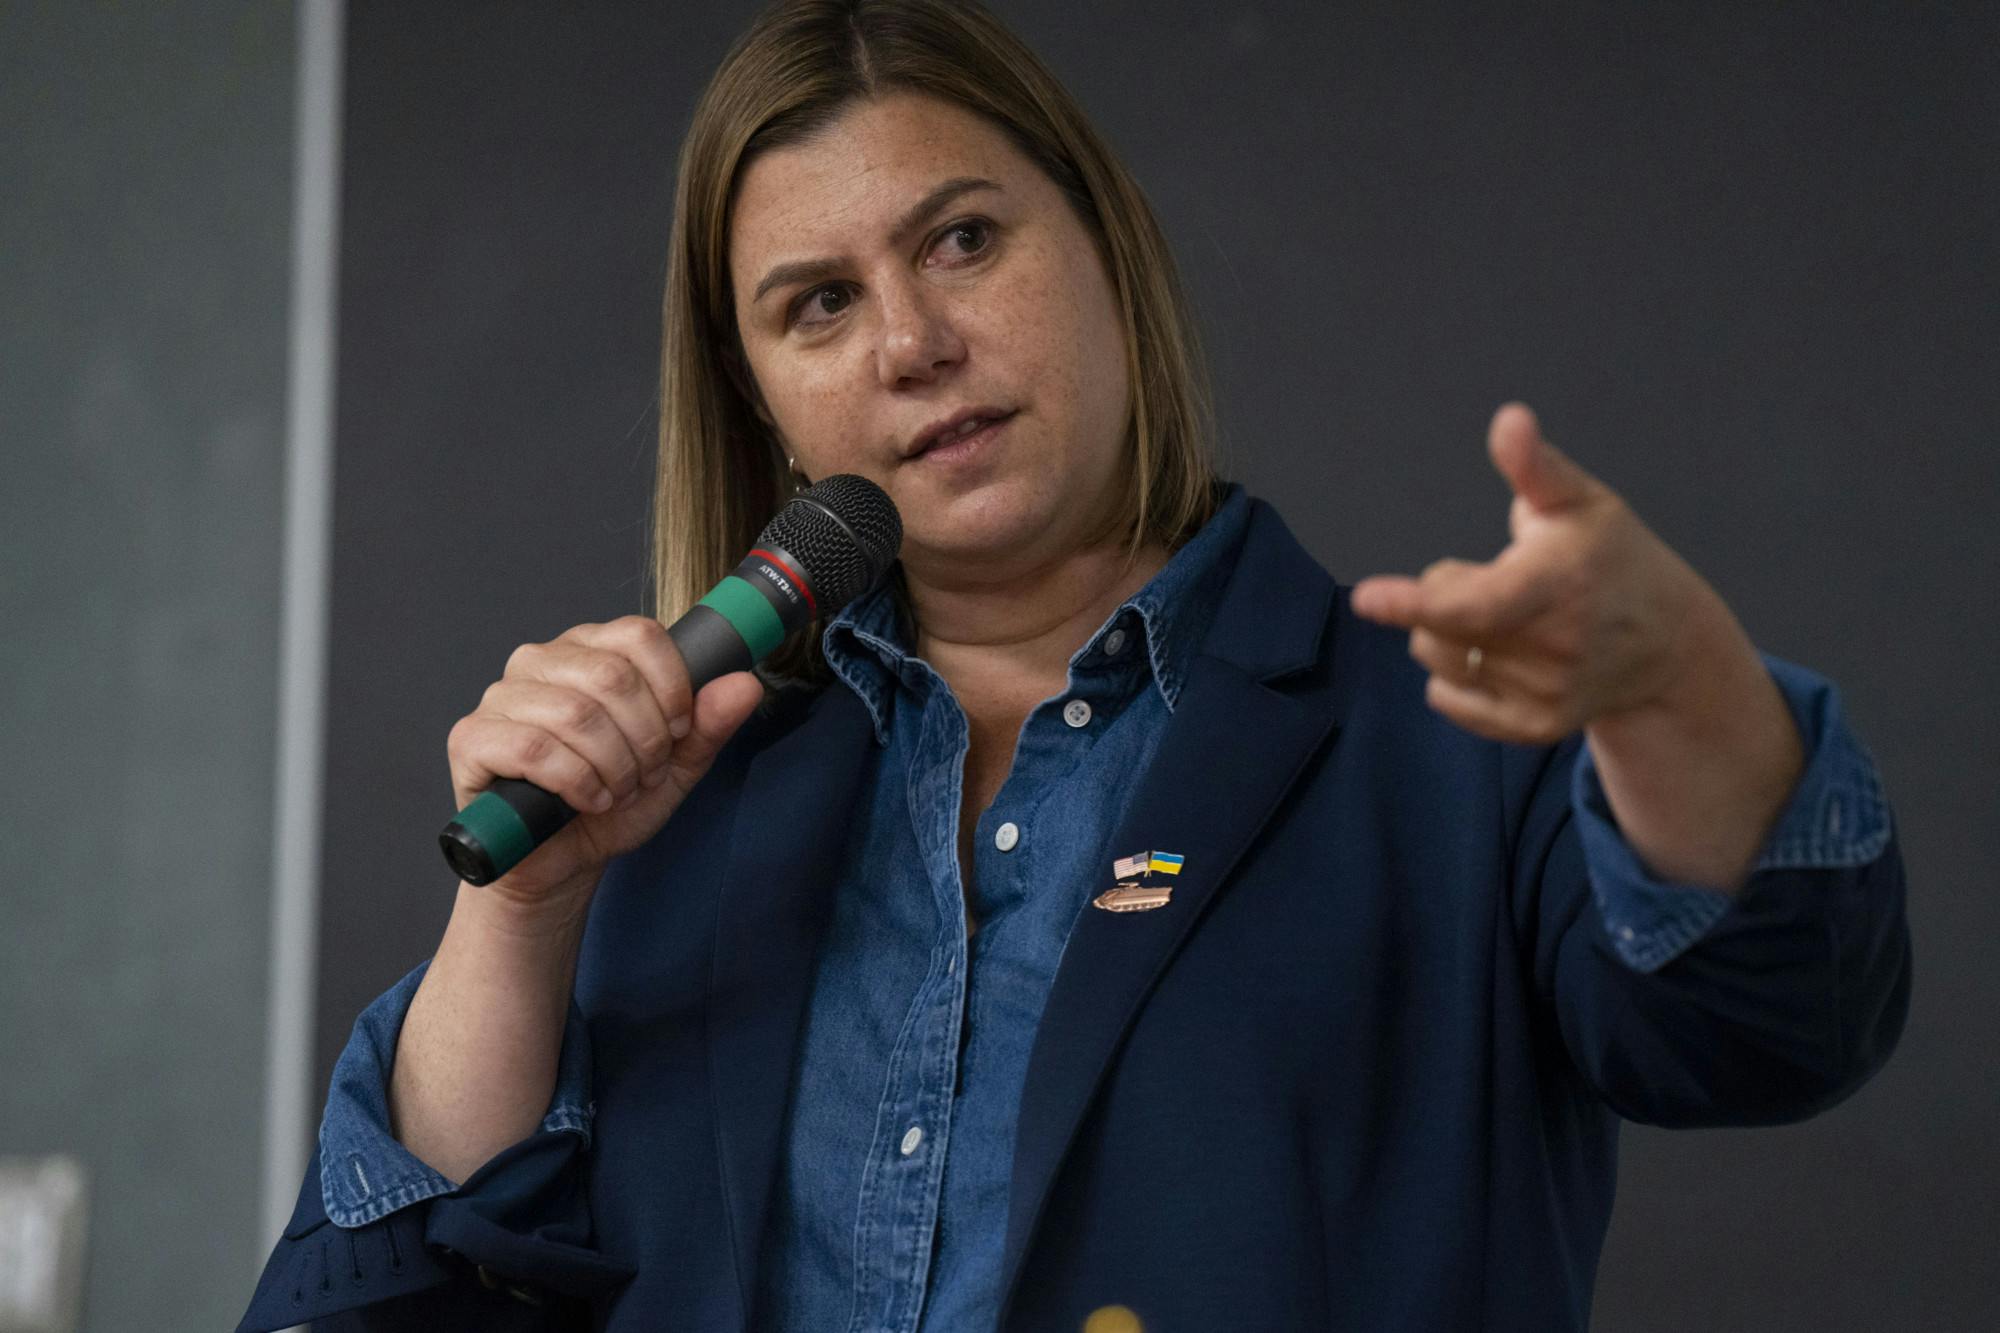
x=1277, y=607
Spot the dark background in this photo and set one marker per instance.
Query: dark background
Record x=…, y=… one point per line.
x=145, y=254
x=1739, y=258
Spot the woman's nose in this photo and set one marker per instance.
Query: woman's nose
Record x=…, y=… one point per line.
x=918, y=342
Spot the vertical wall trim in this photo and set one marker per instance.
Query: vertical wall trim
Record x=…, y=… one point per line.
x=288, y=1099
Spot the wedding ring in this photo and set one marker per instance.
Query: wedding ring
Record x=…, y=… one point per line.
x=1473, y=657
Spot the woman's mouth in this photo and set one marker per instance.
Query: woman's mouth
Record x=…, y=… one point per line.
x=964, y=441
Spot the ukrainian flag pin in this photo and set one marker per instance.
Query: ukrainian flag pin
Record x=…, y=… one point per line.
x=1137, y=889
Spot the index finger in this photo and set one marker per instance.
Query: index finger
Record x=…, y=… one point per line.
x=644, y=642
x=1398, y=599
x=1459, y=599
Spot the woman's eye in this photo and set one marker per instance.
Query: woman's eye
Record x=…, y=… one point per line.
x=822, y=304
x=968, y=237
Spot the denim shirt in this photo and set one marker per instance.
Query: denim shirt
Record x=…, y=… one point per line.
x=898, y=1150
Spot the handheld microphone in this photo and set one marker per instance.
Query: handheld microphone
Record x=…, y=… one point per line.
x=824, y=549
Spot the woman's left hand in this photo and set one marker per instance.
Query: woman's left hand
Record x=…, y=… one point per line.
x=1589, y=621
x=1585, y=615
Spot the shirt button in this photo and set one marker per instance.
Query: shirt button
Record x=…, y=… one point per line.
x=912, y=1139
x=1077, y=713
x=1006, y=836
x=1114, y=643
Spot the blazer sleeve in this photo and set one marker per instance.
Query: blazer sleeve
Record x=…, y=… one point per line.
x=508, y=1251
x=380, y=1241
x=1683, y=1007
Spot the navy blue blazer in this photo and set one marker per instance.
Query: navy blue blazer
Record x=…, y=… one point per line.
x=1364, y=1071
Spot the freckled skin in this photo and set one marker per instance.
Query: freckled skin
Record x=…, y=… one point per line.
x=934, y=322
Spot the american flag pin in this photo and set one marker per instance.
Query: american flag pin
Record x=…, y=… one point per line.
x=1138, y=888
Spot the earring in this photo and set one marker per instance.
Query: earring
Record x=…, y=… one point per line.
x=799, y=479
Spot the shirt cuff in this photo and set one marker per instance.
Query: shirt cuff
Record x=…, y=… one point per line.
x=1837, y=816
x=365, y=1174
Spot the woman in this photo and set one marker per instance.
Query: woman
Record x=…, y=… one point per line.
x=835, y=1015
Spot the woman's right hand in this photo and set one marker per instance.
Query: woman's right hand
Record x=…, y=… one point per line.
x=603, y=717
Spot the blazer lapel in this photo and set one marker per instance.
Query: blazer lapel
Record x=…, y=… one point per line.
x=1229, y=753
x=791, y=816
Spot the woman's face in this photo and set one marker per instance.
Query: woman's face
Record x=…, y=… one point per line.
x=906, y=272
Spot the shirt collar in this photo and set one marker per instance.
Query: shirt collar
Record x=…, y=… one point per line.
x=867, y=643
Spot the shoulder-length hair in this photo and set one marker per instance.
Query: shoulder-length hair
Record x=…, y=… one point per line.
x=721, y=474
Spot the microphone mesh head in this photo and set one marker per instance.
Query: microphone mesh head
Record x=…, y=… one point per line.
x=844, y=530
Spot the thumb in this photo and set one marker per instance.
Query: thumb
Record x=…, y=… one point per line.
x=722, y=705
x=1538, y=472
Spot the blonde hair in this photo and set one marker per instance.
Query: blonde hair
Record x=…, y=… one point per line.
x=721, y=473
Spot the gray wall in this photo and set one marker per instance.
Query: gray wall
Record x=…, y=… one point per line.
x=145, y=184
x=1738, y=257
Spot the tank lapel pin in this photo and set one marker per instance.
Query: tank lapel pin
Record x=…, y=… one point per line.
x=1138, y=885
